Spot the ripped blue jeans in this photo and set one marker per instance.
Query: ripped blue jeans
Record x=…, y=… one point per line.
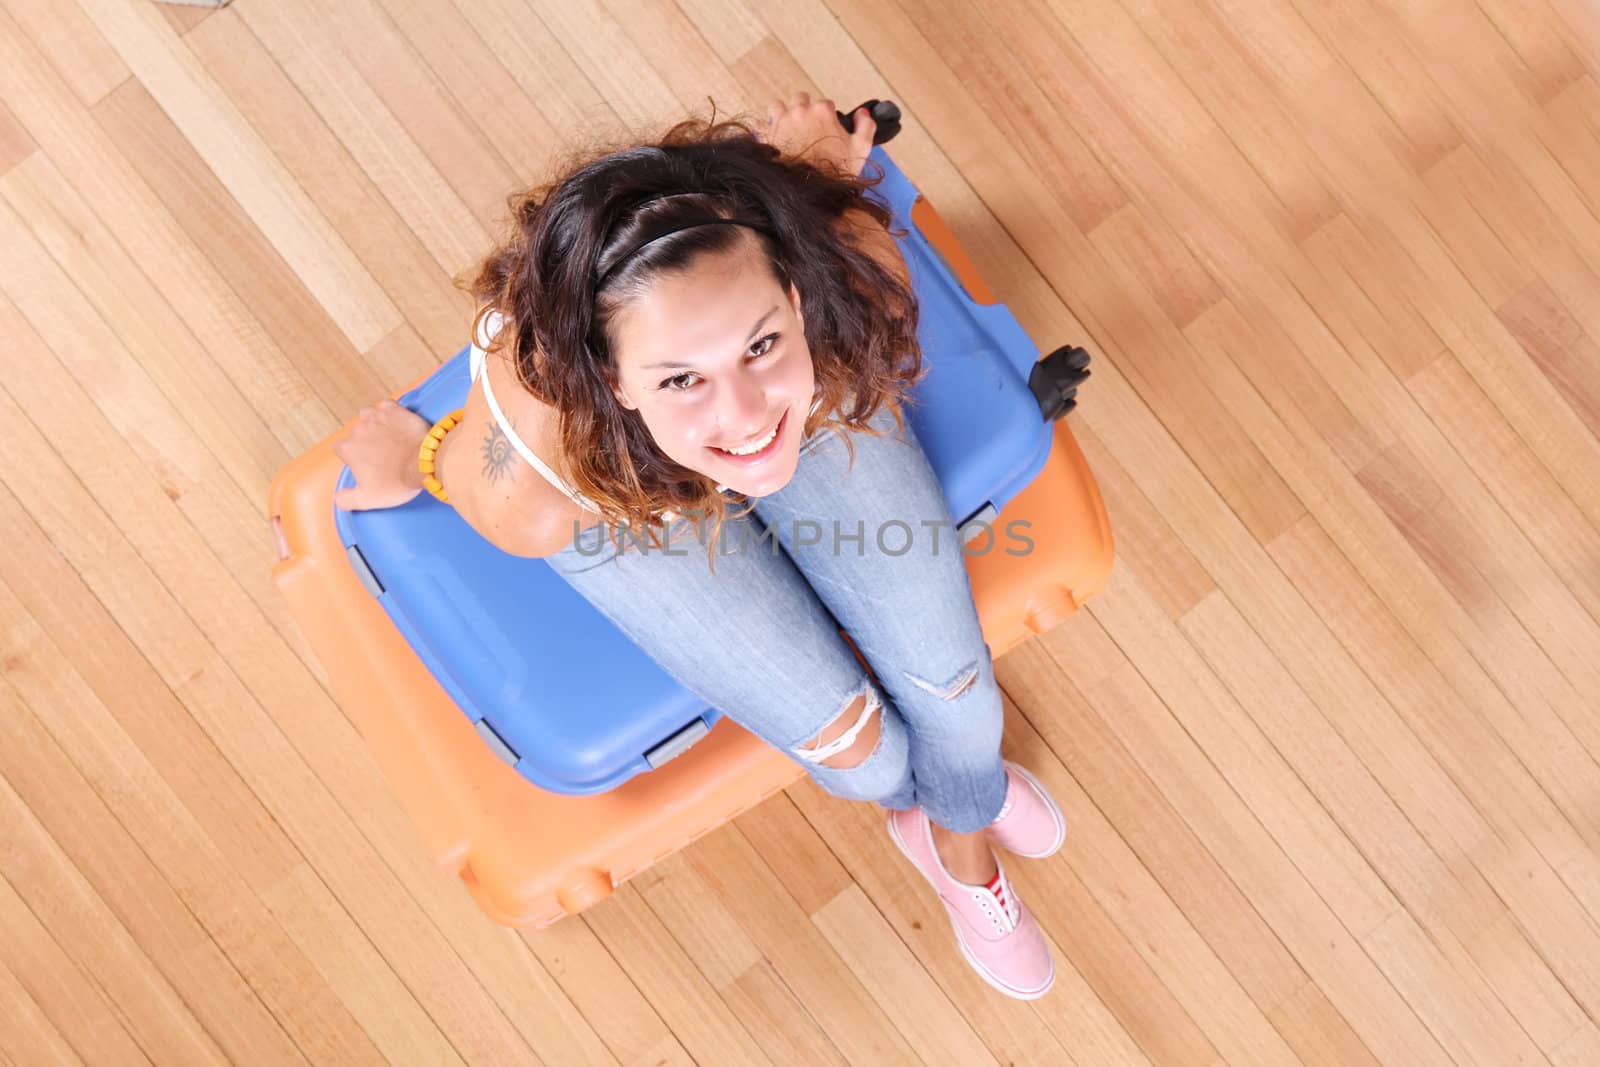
x=868, y=547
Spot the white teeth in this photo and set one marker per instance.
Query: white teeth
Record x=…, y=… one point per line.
x=748, y=450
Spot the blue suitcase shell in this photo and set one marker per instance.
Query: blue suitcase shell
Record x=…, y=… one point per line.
x=548, y=682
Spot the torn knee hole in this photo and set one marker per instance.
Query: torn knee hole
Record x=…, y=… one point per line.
x=848, y=740
x=962, y=683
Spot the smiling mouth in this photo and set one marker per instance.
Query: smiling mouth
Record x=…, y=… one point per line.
x=768, y=445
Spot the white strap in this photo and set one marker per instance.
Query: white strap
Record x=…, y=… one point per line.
x=528, y=454
x=478, y=359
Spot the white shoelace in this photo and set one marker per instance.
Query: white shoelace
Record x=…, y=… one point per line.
x=1001, y=908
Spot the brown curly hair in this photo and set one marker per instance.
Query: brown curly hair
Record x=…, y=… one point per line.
x=860, y=318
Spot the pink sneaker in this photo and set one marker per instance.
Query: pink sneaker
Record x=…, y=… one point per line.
x=996, y=932
x=1030, y=822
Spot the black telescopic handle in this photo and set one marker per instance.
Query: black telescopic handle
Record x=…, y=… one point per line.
x=884, y=112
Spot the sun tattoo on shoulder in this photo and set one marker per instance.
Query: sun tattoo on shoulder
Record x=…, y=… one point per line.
x=498, y=454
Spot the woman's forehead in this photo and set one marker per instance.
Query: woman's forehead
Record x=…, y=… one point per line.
x=702, y=314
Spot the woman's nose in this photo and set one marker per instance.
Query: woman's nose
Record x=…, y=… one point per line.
x=745, y=413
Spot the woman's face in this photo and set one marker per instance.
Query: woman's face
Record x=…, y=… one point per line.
x=714, y=358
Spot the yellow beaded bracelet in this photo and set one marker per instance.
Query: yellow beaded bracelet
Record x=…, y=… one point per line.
x=430, y=447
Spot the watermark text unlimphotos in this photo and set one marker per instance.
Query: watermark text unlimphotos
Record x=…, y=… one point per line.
x=894, y=537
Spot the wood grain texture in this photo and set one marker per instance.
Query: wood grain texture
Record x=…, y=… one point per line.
x=1328, y=743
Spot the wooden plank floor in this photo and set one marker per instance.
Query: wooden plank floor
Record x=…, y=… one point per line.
x=1329, y=742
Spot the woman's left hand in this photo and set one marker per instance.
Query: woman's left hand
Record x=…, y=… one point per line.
x=809, y=129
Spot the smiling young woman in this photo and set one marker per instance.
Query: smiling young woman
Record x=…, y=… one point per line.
x=720, y=317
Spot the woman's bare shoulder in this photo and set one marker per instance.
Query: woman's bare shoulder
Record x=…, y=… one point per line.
x=509, y=492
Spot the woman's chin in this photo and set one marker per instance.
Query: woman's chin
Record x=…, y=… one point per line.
x=764, y=480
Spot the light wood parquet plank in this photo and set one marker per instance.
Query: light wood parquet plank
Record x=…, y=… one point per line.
x=1200, y=48
x=702, y=925
x=1308, y=557
x=768, y=72
x=15, y=144
x=1535, y=32
x=895, y=979
x=1563, y=536
x=248, y=836
x=318, y=352
x=287, y=967
x=116, y=870
x=375, y=136
x=95, y=174
x=789, y=1034
x=1574, y=110
x=50, y=1010
x=1528, y=234
x=699, y=921
x=1483, y=77
x=1144, y=540
x=466, y=156
x=1450, y=305
x=818, y=881
x=76, y=49
x=266, y=191
x=183, y=18
x=1444, y=560
x=1453, y=747
x=816, y=976
x=669, y=980
x=1584, y=1047
x=278, y=110
x=683, y=59
x=27, y=1032
x=144, y=411
x=730, y=27
x=615, y=1006
x=565, y=91
x=1356, y=802
x=1563, y=351
x=465, y=67
x=598, y=44
x=72, y=910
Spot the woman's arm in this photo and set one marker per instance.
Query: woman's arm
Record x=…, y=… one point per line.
x=809, y=129
x=489, y=485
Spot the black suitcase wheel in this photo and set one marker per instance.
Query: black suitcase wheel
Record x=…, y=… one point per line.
x=886, y=113
x=1054, y=381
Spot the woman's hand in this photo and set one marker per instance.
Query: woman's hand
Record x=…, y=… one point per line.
x=809, y=129
x=381, y=452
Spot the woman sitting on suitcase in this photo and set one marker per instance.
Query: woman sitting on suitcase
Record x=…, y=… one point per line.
x=721, y=319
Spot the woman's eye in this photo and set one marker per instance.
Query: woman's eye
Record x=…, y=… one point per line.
x=759, y=349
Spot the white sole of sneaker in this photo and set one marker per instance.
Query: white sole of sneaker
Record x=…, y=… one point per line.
x=961, y=942
x=1055, y=814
